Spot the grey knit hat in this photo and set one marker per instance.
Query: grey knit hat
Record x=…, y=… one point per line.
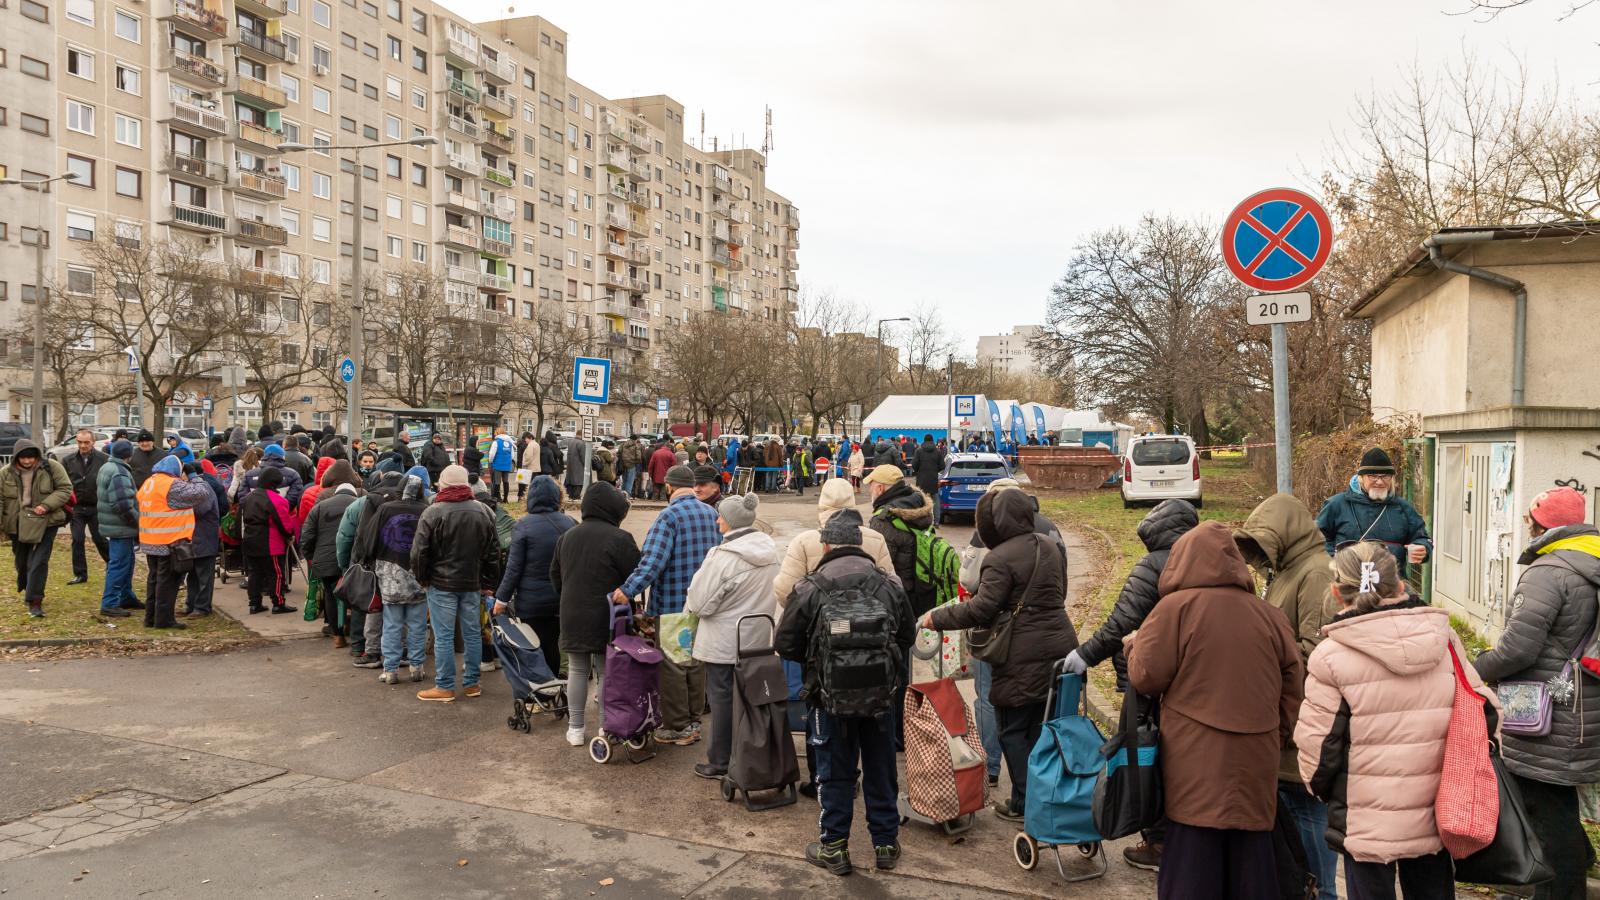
x=738, y=512
x=680, y=476
x=843, y=529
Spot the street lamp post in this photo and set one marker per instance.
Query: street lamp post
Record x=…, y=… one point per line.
x=357, y=291
x=41, y=296
x=881, y=323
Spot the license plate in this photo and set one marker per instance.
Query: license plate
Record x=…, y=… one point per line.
x=1164, y=484
x=975, y=488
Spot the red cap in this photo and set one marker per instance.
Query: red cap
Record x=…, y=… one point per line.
x=1557, y=507
x=208, y=468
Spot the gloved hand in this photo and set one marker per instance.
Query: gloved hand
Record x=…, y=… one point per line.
x=1075, y=664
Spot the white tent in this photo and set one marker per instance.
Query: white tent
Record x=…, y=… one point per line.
x=916, y=415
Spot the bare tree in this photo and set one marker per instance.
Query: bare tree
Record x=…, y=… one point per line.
x=539, y=352
x=927, y=346
x=281, y=335
x=412, y=322
x=78, y=369
x=708, y=359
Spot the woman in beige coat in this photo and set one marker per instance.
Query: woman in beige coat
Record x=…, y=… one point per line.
x=1379, y=690
x=805, y=551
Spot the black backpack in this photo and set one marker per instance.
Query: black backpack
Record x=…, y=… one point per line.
x=852, y=645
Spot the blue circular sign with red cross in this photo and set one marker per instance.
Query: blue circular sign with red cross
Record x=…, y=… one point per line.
x=1277, y=240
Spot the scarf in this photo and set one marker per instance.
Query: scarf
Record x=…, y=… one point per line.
x=455, y=493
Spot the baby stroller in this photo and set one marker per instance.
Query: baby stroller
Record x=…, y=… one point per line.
x=630, y=693
x=1062, y=771
x=534, y=687
x=230, y=558
x=763, y=752
x=944, y=758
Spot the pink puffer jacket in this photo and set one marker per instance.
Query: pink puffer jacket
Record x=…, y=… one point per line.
x=1371, y=733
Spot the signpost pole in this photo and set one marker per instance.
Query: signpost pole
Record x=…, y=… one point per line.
x=949, y=401
x=1280, y=405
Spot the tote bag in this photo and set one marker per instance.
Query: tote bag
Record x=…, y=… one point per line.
x=1467, y=806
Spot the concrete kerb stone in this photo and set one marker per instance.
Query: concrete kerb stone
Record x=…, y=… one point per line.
x=58, y=642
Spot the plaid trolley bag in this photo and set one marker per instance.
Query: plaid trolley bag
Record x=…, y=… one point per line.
x=945, y=762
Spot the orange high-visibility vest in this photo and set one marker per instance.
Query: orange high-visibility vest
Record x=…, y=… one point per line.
x=158, y=522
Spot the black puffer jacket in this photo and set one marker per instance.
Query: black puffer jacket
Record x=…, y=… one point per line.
x=928, y=464
x=1161, y=528
x=550, y=462
x=455, y=547
x=435, y=458
x=914, y=508
x=592, y=560
x=1551, y=615
x=1022, y=568
x=320, y=530
x=526, y=586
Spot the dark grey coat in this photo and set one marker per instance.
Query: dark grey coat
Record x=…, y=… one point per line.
x=1160, y=529
x=1552, y=612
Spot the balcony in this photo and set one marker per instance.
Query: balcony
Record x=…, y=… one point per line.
x=640, y=140
x=267, y=9
x=638, y=227
x=258, y=136
x=196, y=17
x=496, y=247
x=615, y=221
x=194, y=118
x=497, y=68
x=640, y=171
x=462, y=274
x=639, y=285
x=462, y=237
x=460, y=202
x=789, y=261
x=615, y=280
x=457, y=124
x=721, y=182
x=787, y=281
x=616, y=161
x=261, y=276
x=499, y=104
x=253, y=232
x=463, y=164
x=640, y=199
x=503, y=140
x=185, y=166
x=498, y=176
x=722, y=208
x=736, y=237
x=638, y=313
x=259, y=47
x=266, y=185
x=494, y=283
x=791, y=217
x=616, y=309
x=638, y=342
x=195, y=68
x=614, y=250
x=463, y=53
x=639, y=254
x=463, y=90
x=503, y=208
x=257, y=92
x=196, y=218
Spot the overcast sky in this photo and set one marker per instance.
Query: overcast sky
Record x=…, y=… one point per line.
x=953, y=151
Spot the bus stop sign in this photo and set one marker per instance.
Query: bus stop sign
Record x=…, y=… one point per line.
x=1277, y=240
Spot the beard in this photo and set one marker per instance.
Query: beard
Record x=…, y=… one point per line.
x=1377, y=495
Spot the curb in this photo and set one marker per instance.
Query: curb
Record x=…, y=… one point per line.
x=61, y=642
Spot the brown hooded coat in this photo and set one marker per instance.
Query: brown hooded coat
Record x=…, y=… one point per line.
x=1229, y=676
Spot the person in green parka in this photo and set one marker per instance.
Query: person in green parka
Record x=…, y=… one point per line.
x=34, y=491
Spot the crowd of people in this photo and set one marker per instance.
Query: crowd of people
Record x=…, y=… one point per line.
x=1325, y=697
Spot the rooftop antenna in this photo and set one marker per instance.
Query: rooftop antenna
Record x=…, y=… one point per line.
x=702, y=144
x=766, y=142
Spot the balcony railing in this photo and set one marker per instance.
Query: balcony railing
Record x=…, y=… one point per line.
x=640, y=199
x=463, y=163
x=499, y=140
x=638, y=313
x=720, y=181
x=606, y=306
x=616, y=160
x=198, y=17
x=460, y=201
x=639, y=255
x=462, y=89
x=498, y=176
x=638, y=227
x=268, y=94
x=722, y=208
x=640, y=171
x=499, y=69
x=499, y=103
x=182, y=164
x=261, y=232
x=198, y=117
x=261, y=184
x=500, y=207
x=460, y=126
x=197, y=218
x=270, y=9
x=461, y=51
x=260, y=43
x=195, y=67
x=496, y=247
x=615, y=279
x=791, y=217
x=615, y=221
x=640, y=140
x=638, y=342
x=462, y=237
x=258, y=135
x=497, y=283
x=462, y=274
x=261, y=276
x=639, y=285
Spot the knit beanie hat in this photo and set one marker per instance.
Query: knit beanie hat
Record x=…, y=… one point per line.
x=453, y=475
x=706, y=474
x=273, y=450
x=680, y=476
x=121, y=449
x=885, y=474
x=145, y=435
x=739, y=512
x=1557, y=507
x=836, y=494
x=843, y=530
x=1376, y=462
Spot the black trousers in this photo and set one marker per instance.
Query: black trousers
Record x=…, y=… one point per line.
x=330, y=604
x=548, y=628
x=1553, y=813
x=1019, y=731
x=264, y=578
x=1216, y=864
x=33, y=565
x=159, y=611
x=200, y=583
x=719, y=693
x=84, y=519
x=1430, y=877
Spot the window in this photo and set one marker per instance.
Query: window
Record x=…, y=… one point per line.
x=419, y=252
x=392, y=9
x=391, y=166
x=290, y=220
x=129, y=182
x=393, y=207
x=321, y=271
x=81, y=11
x=80, y=281
x=80, y=117
x=369, y=91
x=129, y=27
x=35, y=10
x=391, y=86
x=321, y=100
x=291, y=175
x=80, y=63
x=321, y=186
x=83, y=168
x=419, y=21
x=80, y=226
x=291, y=132
x=130, y=131
x=35, y=67
x=348, y=40
x=419, y=174
x=347, y=124
x=291, y=45
x=35, y=124
x=370, y=51
x=419, y=213
x=419, y=98
x=128, y=79
x=393, y=246
x=291, y=87
x=391, y=127
x=419, y=59
x=321, y=13
x=321, y=229
x=321, y=57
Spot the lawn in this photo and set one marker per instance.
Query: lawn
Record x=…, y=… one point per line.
x=72, y=611
x=1231, y=492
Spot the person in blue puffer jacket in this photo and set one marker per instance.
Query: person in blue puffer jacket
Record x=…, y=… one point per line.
x=525, y=588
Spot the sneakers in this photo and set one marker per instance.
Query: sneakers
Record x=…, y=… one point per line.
x=36, y=610
x=473, y=690
x=886, y=858
x=389, y=678
x=78, y=579
x=833, y=856
x=115, y=613
x=575, y=737
x=994, y=781
x=283, y=608
x=1003, y=810
x=437, y=694
x=1145, y=856
x=673, y=736
x=367, y=661
x=707, y=770
x=490, y=665
x=254, y=608
x=415, y=672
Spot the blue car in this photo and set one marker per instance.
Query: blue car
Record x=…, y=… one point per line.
x=965, y=478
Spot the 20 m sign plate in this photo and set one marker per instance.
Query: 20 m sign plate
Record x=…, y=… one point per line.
x=1277, y=240
x=1276, y=309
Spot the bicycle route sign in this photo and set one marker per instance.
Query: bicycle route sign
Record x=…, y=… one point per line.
x=1277, y=240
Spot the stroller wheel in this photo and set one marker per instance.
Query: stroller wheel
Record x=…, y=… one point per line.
x=511, y=723
x=600, y=750
x=527, y=724
x=1026, y=851
x=728, y=790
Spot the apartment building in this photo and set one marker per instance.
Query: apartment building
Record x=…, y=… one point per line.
x=1009, y=353
x=539, y=195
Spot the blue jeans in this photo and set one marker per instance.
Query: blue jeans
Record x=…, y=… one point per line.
x=983, y=710
x=443, y=608
x=628, y=478
x=841, y=744
x=411, y=618
x=119, y=574
x=1311, y=818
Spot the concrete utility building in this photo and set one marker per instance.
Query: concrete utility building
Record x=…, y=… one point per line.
x=1488, y=336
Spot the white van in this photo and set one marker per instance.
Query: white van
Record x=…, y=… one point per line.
x=1161, y=467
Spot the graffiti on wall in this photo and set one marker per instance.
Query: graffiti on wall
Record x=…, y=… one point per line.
x=1573, y=483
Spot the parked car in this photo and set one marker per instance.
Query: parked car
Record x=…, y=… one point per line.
x=1161, y=467
x=10, y=433
x=102, y=436
x=763, y=438
x=964, y=479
